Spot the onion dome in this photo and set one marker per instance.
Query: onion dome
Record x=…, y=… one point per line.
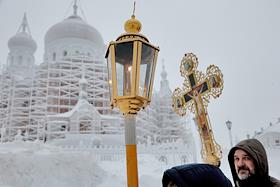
x=73, y=27
x=23, y=37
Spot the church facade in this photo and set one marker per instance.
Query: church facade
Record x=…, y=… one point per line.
x=68, y=92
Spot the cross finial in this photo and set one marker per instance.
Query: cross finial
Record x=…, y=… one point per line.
x=24, y=22
x=24, y=25
x=134, y=8
x=75, y=8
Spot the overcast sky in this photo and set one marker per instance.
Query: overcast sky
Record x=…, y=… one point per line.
x=241, y=37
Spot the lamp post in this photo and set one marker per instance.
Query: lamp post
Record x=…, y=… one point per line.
x=131, y=62
x=228, y=124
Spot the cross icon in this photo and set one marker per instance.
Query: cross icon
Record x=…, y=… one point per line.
x=195, y=96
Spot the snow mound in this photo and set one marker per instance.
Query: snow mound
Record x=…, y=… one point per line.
x=34, y=164
x=38, y=165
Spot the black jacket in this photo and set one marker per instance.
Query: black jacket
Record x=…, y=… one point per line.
x=196, y=175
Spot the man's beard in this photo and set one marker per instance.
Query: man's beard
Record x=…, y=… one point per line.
x=244, y=173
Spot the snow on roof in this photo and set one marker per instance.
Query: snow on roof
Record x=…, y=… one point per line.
x=73, y=27
x=273, y=128
x=81, y=105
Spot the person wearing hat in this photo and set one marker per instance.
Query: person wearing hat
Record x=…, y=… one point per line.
x=249, y=165
x=195, y=175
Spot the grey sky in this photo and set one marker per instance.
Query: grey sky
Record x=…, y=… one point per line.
x=240, y=37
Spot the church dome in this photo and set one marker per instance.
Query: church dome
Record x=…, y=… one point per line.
x=73, y=27
x=22, y=39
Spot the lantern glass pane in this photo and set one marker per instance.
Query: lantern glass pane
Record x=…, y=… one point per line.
x=146, y=69
x=109, y=67
x=124, y=62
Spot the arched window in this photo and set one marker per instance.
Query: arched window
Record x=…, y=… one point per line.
x=20, y=60
x=54, y=56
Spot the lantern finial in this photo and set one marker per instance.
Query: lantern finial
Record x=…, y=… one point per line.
x=133, y=25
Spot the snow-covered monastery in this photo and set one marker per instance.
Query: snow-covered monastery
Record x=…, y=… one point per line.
x=67, y=94
x=270, y=136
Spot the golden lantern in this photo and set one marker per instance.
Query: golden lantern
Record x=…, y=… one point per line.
x=131, y=61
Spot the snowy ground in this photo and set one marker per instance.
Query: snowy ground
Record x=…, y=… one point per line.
x=34, y=164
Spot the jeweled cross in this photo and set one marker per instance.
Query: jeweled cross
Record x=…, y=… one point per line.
x=197, y=89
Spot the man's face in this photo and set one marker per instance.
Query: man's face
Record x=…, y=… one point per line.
x=244, y=165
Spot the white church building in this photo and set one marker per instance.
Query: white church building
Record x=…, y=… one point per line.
x=67, y=94
x=270, y=136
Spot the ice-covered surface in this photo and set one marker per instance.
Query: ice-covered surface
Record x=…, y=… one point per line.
x=34, y=164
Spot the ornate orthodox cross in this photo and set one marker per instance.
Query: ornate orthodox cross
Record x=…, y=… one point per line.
x=195, y=95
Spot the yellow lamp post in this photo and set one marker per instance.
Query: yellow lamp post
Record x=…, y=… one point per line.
x=131, y=62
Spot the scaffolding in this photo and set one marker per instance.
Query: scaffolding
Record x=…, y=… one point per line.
x=53, y=88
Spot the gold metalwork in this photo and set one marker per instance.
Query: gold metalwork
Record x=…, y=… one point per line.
x=133, y=25
x=130, y=106
x=195, y=96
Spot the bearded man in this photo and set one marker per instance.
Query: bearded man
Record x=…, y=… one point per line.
x=249, y=165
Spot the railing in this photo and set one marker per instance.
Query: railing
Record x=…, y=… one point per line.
x=166, y=153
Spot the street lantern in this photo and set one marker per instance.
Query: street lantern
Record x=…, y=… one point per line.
x=228, y=124
x=131, y=62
